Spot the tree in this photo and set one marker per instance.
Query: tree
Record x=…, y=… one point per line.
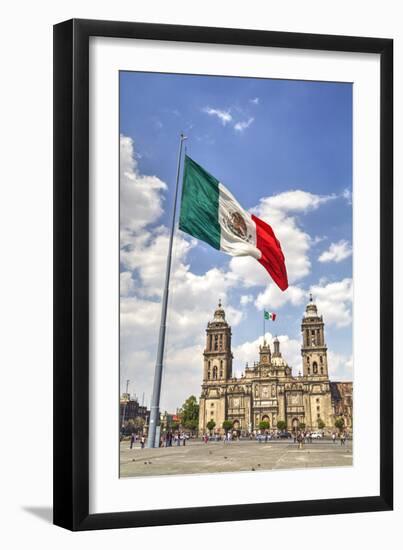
x=210, y=425
x=281, y=425
x=321, y=424
x=264, y=425
x=339, y=423
x=301, y=425
x=227, y=425
x=189, y=414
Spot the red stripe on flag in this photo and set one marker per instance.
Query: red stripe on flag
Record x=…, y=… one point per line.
x=272, y=256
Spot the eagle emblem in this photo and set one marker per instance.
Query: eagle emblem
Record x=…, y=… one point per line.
x=236, y=224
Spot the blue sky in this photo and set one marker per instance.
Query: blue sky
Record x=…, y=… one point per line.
x=284, y=149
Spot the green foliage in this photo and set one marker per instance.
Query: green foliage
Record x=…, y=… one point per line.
x=339, y=423
x=189, y=414
x=301, y=425
x=134, y=425
x=281, y=425
x=321, y=424
x=210, y=425
x=227, y=425
x=264, y=425
x=174, y=426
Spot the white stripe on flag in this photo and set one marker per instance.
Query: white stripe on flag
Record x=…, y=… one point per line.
x=238, y=230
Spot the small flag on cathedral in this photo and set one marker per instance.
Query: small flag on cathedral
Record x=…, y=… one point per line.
x=211, y=213
x=269, y=315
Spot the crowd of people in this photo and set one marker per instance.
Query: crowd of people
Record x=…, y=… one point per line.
x=300, y=437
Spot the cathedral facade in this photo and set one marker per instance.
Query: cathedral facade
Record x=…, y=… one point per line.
x=268, y=390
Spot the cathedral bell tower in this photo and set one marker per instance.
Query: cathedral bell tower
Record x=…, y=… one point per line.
x=217, y=354
x=314, y=349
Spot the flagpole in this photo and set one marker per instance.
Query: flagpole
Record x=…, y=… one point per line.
x=155, y=399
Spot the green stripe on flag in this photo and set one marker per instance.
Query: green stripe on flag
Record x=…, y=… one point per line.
x=266, y=315
x=199, y=205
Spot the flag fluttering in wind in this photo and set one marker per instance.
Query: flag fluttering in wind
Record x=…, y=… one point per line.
x=210, y=212
x=269, y=315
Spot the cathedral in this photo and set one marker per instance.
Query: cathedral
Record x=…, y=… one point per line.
x=268, y=390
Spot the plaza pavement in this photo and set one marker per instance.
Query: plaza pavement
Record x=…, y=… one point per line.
x=235, y=456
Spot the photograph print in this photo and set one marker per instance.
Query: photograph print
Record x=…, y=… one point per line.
x=235, y=274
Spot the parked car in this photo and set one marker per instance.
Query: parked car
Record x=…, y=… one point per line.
x=316, y=435
x=284, y=435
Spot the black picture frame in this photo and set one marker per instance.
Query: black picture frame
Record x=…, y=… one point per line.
x=72, y=285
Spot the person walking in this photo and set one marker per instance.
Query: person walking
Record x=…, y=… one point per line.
x=334, y=437
x=300, y=439
x=142, y=441
x=132, y=440
x=342, y=438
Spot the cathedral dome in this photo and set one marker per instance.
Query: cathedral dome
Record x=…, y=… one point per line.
x=219, y=314
x=278, y=362
x=311, y=309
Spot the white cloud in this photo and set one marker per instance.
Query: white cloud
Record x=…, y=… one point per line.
x=340, y=366
x=334, y=301
x=126, y=283
x=336, y=252
x=246, y=299
x=140, y=196
x=242, y=125
x=273, y=297
x=255, y=100
x=347, y=194
x=222, y=115
x=295, y=201
x=318, y=239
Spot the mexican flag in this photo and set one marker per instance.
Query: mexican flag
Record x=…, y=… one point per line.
x=210, y=212
x=269, y=315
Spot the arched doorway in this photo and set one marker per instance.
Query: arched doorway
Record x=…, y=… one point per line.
x=295, y=423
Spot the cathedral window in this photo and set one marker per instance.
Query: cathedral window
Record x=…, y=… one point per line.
x=308, y=360
x=315, y=367
x=215, y=372
x=209, y=375
x=215, y=342
x=321, y=359
x=309, y=370
x=321, y=370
